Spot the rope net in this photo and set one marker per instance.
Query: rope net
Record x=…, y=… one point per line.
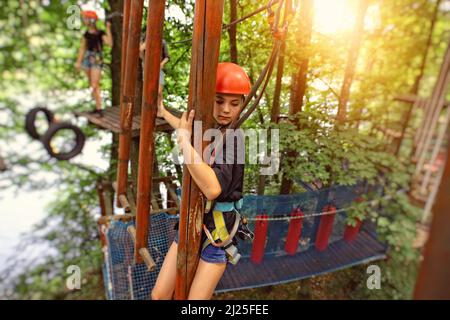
x=125, y=280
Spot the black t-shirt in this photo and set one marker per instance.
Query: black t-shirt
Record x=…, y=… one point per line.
x=229, y=166
x=164, y=51
x=94, y=41
x=229, y=169
x=164, y=48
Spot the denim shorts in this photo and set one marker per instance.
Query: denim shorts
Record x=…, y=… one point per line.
x=210, y=254
x=92, y=60
x=161, y=78
x=162, y=75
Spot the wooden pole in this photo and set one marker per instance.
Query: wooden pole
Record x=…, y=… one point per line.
x=422, y=106
x=125, y=31
x=205, y=55
x=155, y=21
x=439, y=141
x=438, y=101
x=433, y=281
x=416, y=86
x=432, y=196
x=128, y=95
x=434, y=110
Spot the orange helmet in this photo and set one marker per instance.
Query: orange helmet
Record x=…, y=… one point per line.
x=232, y=78
x=89, y=14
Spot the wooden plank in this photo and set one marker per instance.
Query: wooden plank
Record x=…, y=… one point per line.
x=111, y=121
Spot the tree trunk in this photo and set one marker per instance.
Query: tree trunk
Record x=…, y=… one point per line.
x=352, y=61
x=298, y=85
x=116, y=58
x=232, y=32
x=304, y=40
x=275, y=111
x=416, y=85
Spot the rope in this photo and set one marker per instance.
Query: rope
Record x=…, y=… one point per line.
x=266, y=7
x=225, y=27
x=323, y=213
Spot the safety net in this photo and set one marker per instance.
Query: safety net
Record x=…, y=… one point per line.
x=296, y=236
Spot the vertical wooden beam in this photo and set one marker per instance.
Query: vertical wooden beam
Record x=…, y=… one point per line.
x=125, y=30
x=434, y=111
x=205, y=55
x=155, y=22
x=433, y=281
x=128, y=95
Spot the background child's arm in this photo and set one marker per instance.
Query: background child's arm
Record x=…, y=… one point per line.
x=81, y=52
x=107, y=38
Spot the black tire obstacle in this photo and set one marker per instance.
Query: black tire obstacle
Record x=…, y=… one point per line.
x=53, y=129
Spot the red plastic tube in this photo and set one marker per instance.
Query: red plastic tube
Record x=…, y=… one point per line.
x=325, y=228
x=259, y=243
x=294, y=232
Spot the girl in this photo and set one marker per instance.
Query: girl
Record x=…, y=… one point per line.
x=90, y=56
x=222, y=181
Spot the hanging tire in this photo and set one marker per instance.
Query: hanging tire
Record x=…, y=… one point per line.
x=51, y=132
x=30, y=120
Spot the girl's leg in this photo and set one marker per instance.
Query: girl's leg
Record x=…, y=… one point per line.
x=88, y=75
x=96, y=74
x=205, y=280
x=160, y=93
x=165, y=283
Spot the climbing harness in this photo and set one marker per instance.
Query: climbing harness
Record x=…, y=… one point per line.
x=220, y=237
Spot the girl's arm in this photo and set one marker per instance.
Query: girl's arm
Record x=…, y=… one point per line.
x=165, y=60
x=107, y=38
x=81, y=52
x=142, y=50
x=203, y=175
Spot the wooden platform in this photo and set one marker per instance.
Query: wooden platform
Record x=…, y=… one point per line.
x=111, y=121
